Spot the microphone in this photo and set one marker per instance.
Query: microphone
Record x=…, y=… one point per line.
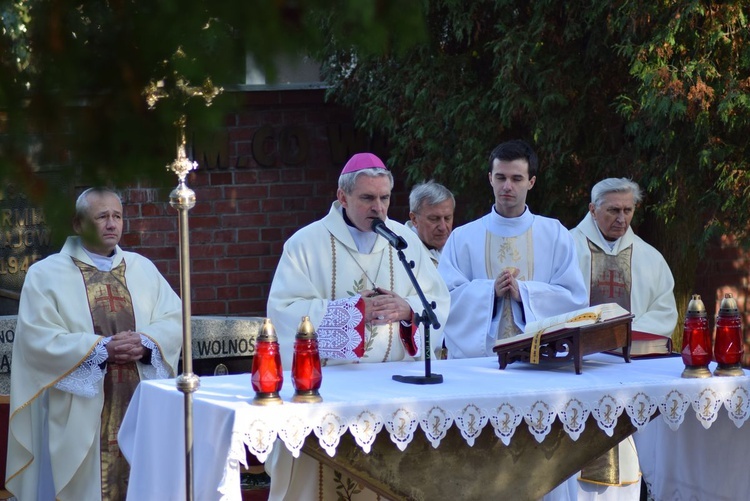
x=379, y=227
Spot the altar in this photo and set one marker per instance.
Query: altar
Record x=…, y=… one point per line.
x=551, y=413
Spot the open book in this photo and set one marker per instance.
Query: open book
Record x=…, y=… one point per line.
x=572, y=319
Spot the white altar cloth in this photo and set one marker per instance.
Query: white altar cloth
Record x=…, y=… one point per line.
x=363, y=400
x=695, y=464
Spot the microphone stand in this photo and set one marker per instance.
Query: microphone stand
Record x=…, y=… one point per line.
x=427, y=318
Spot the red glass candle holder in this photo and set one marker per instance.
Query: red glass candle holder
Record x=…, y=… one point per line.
x=307, y=374
x=696, y=340
x=267, y=375
x=728, y=346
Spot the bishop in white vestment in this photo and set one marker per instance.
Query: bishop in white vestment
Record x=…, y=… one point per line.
x=322, y=273
x=350, y=282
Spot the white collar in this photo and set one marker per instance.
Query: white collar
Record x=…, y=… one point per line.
x=102, y=263
x=610, y=244
x=364, y=240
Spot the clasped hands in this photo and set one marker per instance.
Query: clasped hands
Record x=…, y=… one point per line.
x=507, y=285
x=125, y=347
x=383, y=307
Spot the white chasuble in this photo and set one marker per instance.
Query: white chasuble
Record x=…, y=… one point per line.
x=321, y=274
x=634, y=275
x=542, y=250
x=516, y=255
x=650, y=291
x=342, y=332
x=55, y=336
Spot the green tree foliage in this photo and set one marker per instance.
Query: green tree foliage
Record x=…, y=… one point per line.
x=688, y=119
x=653, y=90
x=73, y=75
x=494, y=70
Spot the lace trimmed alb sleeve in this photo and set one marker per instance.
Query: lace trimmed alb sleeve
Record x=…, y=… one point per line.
x=83, y=381
x=157, y=369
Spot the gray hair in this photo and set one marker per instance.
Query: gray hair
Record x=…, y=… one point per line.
x=348, y=180
x=615, y=185
x=82, y=202
x=430, y=193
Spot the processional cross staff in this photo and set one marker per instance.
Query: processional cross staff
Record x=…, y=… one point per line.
x=182, y=198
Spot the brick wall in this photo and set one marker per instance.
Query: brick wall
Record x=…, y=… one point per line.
x=726, y=269
x=273, y=169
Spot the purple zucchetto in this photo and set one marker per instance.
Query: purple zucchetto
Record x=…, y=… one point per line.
x=363, y=161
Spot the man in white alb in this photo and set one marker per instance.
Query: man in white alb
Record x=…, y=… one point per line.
x=93, y=321
x=350, y=282
x=509, y=267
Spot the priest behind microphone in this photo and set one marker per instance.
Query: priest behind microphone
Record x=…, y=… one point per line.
x=343, y=272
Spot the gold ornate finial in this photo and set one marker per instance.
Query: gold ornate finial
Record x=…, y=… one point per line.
x=177, y=87
x=157, y=90
x=182, y=165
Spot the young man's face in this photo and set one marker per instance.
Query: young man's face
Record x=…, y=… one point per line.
x=614, y=215
x=368, y=200
x=101, y=227
x=434, y=223
x=510, y=184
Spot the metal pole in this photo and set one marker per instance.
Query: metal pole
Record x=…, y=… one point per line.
x=182, y=198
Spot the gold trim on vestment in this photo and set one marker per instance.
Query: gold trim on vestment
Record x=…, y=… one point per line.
x=505, y=253
x=605, y=470
x=390, y=326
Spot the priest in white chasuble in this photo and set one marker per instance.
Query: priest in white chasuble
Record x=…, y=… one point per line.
x=93, y=320
x=509, y=267
x=350, y=282
x=619, y=267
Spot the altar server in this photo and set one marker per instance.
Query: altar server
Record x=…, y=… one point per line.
x=349, y=281
x=93, y=321
x=509, y=267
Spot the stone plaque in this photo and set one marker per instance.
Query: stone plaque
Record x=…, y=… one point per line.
x=24, y=239
x=7, y=334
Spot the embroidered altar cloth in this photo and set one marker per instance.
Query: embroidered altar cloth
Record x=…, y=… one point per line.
x=363, y=400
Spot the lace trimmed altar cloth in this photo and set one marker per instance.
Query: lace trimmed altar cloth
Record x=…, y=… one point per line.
x=363, y=400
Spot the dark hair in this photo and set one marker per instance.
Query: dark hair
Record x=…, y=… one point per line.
x=515, y=150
